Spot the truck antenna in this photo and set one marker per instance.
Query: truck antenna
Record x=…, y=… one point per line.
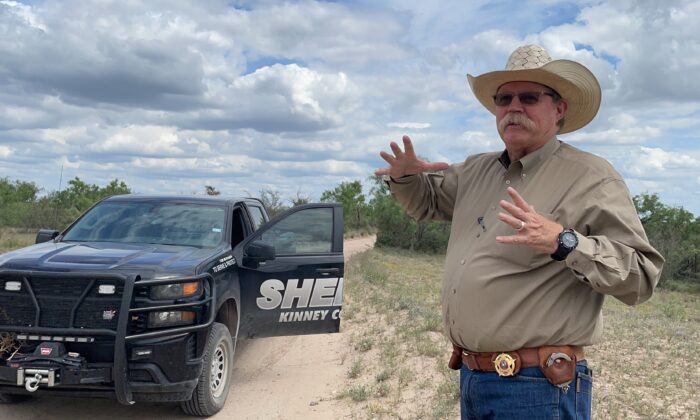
x=55, y=209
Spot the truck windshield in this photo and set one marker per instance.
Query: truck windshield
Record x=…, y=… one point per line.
x=142, y=222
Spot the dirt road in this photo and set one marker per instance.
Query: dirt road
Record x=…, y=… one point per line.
x=273, y=378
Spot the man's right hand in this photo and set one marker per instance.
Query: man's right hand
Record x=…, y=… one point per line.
x=403, y=163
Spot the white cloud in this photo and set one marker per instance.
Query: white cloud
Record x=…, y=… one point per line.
x=318, y=30
x=411, y=125
x=21, y=116
x=147, y=140
x=441, y=105
x=195, y=166
x=5, y=151
x=479, y=141
x=25, y=13
x=280, y=98
x=66, y=136
x=68, y=164
x=628, y=135
x=652, y=160
x=655, y=47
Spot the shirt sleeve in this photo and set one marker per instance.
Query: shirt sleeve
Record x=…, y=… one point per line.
x=427, y=196
x=614, y=255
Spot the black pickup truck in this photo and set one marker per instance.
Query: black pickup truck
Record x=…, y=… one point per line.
x=142, y=298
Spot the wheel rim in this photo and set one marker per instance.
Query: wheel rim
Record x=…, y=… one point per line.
x=219, y=369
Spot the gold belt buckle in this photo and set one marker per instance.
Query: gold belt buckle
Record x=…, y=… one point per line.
x=504, y=364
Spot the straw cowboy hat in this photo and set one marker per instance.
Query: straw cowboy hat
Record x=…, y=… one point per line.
x=531, y=63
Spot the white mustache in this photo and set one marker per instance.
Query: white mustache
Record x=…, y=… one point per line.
x=516, y=118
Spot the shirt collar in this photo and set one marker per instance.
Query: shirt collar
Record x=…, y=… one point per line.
x=533, y=160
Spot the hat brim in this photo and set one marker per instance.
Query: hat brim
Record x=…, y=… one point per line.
x=571, y=80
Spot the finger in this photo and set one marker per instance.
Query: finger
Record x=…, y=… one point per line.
x=436, y=166
x=390, y=159
x=511, y=240
x=382, y=171
x=518, y=200
x=408, y=146
x=396, y=149
x=511, y=221
x=513, y=210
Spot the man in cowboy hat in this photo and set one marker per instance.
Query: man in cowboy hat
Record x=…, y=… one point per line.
x=541, y=232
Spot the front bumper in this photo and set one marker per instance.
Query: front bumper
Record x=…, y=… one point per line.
x=156, y=365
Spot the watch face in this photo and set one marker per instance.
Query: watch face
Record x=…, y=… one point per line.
x=569, y=239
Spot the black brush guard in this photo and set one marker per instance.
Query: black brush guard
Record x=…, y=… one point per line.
x=130, y=283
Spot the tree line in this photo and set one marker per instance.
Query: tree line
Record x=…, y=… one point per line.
x=674, y=231
x=22, y=206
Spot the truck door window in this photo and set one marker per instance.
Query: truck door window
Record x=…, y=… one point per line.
x=257, y=216
x=308, y=231
x=237, y=231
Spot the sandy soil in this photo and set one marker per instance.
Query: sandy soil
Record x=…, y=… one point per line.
x=273, y=378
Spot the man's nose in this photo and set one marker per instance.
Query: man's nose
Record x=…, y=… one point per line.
x=515, y=104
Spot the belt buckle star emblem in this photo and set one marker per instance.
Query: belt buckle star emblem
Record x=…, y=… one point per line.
x=504, y=364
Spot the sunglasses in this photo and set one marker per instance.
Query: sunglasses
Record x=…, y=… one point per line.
x=525, y=98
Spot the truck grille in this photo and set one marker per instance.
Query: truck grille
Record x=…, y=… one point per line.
x=58, y=299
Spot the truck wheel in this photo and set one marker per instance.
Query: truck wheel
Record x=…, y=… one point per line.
x=13, y=398
x=215, y=380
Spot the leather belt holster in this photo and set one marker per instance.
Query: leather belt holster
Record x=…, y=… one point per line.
x=558, y=363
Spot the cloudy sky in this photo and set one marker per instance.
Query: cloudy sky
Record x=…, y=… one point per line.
x=298, y=96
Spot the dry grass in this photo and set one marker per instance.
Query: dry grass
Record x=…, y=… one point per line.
x=647, y=365
x=12, y=238
x=392, y=313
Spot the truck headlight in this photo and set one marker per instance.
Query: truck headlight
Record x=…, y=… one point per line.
x=161, y=319
x=175, y=290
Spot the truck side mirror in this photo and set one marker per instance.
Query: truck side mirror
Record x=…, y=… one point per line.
x=45, y=235
x=260, y=251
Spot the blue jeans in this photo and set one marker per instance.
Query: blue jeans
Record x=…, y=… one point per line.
x=527, y=395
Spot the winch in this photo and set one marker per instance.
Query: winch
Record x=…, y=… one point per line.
x=43, y=366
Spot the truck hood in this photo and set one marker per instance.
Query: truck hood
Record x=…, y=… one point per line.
x=145, y=259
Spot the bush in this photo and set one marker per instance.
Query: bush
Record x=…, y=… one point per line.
x=357, y=214
x=675, y=233
x=397, y=229
x=20, y=207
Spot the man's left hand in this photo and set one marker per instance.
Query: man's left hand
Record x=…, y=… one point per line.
x=532, y=229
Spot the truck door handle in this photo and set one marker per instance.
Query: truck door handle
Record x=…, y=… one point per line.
x=327, y=271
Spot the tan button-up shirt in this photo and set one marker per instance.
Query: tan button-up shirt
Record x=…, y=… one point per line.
x=499, y=297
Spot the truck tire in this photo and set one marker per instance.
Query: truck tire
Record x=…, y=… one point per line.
x=13, y=398
x=215, y=380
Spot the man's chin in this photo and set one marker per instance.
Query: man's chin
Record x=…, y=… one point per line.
x=514, y=136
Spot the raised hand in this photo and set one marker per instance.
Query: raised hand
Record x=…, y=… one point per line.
x=405, y=162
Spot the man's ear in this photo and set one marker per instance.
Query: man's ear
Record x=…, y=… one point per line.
x=562, y=106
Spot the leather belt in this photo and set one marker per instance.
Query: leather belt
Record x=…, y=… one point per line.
x=510, y=362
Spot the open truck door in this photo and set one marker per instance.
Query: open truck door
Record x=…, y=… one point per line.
x=291, y=273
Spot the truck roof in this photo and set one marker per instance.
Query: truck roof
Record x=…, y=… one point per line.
x=198, y=199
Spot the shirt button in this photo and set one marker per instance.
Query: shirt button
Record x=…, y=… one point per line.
x=454, y=291
x=507, y=181
x=524, y=175
x=462, y=262
x=574, y=263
